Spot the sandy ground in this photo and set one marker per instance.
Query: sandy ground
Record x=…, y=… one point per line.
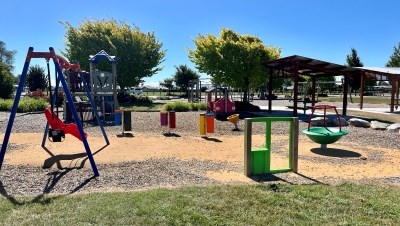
x=341, y=160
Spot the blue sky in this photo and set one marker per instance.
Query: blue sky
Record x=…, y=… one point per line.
x=325, y=30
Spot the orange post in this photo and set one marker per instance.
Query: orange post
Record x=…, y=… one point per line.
x=210, y=123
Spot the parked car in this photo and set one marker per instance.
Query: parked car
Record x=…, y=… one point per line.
x=136, y=91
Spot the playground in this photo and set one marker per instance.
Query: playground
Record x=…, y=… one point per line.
x=93, y=145
x=149, y=158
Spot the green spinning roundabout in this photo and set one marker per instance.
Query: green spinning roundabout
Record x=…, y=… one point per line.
x=324, y=135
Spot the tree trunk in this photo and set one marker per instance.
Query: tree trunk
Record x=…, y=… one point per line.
x=263, y=90
x=351, y=98
x=246, y=91
x=246, y=95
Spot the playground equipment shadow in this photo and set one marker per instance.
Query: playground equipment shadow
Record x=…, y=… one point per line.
x=284, y=178
x=335, y=152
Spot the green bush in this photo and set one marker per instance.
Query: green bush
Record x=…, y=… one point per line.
x=179, y=106
x=6, y=81
x=198, y=106
x=6, y=104
x=140, y=99
x=25, y=104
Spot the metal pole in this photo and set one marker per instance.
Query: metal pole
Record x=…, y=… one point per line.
x=94, y=109
x=15, y=106
x=75, y=114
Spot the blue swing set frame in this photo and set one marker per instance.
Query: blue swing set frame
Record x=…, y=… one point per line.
x=59, y=78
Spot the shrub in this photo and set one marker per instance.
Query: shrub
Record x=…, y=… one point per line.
x=6, y=104
x=198, y=106
x=179, y=106
x=141, y=100
x=123, y=97
x=25, y=105
x=6, y=81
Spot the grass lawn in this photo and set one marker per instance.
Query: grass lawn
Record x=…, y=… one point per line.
x=366, y=99
x=275, y=204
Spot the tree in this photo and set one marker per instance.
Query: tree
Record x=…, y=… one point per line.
x=394, y=60
x=233, y=60
x=6, y=81
x=36, y=78
x=168, y=83
x=138, y=54
x=7, y=56
x=183, y=75
x=353, y=60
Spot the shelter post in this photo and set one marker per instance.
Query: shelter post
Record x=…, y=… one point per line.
x=295, y=73
x=313, y=79
x=271, y=70
x=362, y=89
x=345, y=92
x=392, y=95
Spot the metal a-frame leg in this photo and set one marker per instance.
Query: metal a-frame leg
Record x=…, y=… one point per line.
x=14, y=108
x=76, y=117
x=94, y=109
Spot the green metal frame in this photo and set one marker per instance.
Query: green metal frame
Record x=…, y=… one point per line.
x=293, y=144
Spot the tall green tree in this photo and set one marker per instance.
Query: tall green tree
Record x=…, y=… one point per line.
x=183, y=75
x=394, y=60
x=139, y=54
x=168, y=83
x=233, y=60
x=7, y=56
x=6, y=81
x=36, y=78
x=352, y=60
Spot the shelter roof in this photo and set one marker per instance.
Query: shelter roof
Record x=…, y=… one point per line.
x=382, y=70
x=309, y=67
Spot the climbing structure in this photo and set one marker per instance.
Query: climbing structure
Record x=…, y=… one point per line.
x=102, y=87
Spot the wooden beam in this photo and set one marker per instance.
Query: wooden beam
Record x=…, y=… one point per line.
x=295, y=146
x=345, y=92
x=270, y=90
x=295, y=89
x=326, y=70
x=362, y=89
x=393, y=80
x=247, y=147
x=313, y=79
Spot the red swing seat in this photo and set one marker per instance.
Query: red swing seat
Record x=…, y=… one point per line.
x=56, y=123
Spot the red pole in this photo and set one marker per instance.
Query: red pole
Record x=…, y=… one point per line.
x=172, y=120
